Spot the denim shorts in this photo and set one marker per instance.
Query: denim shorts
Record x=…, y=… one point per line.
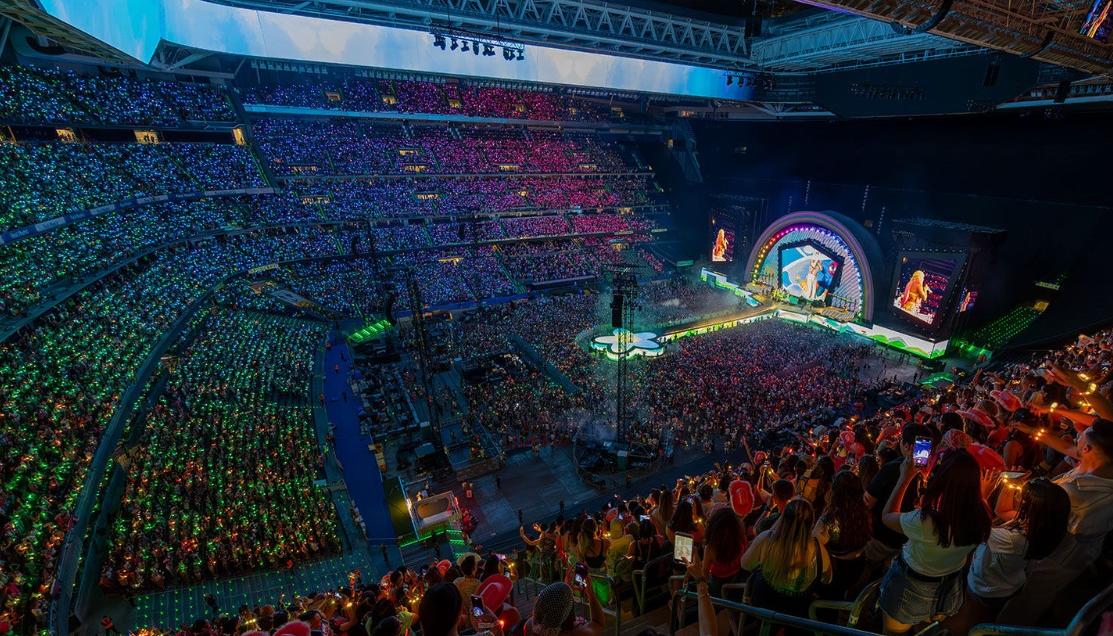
x=911, y=601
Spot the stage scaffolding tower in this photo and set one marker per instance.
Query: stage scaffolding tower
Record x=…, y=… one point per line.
x=624, y=291
x=421, y=344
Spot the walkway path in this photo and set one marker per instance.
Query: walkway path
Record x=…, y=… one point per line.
x=361, y=472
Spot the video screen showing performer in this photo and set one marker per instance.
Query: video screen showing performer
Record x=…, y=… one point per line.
x=922, y=287
x=722, y=247
x=808, y=273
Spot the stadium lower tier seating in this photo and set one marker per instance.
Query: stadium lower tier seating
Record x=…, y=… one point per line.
x=220, y=478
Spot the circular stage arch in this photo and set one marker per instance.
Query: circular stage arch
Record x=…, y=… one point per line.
x=818, y=257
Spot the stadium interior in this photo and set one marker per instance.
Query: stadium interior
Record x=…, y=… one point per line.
x=555, y=317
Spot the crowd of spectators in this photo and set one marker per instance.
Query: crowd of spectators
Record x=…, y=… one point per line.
x=355, y=148
x=64, y=375
x=363, y=94
x=817, y=509
x=40, y=181
x=220, y=480
x=33, y=95
x=399, y=197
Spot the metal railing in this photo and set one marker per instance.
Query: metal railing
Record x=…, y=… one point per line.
x=770, y=619
x=1090, y=612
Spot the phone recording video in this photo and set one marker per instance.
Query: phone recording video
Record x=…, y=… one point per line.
x=921, y=451
x=579, y=576
x=477, y=609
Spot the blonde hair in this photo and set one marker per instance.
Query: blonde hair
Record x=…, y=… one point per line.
x=789, y=553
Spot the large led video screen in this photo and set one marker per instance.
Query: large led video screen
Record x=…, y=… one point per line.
x=808, y=272
x=921, y=288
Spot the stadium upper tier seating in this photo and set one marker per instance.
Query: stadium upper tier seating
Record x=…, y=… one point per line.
x=355, y=147
x=361, y=94
x=31, y=95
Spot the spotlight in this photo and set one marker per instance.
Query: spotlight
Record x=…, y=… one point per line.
x=475, y=47
x=507, y=54
x=456, y=45
x=464, y=47
x=438, y=41
x=730, y=80
x=488, y=50
x=521, y=54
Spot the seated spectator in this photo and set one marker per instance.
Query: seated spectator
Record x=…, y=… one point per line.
x=999, y=567
x=787, y=561
x=1090, y=488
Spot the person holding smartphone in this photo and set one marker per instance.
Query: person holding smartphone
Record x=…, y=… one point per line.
x=925, y=580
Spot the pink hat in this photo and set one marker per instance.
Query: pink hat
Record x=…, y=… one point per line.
x=293, y=628
x=1007, y=400
x=977, y=417
x=986, y=457
x=494, y=591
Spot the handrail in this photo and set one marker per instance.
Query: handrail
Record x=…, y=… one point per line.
x=770, y=616
x=1086, y=615
x=641, y=580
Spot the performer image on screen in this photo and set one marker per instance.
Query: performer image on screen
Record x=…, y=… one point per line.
x=915, y=293
x=719, y=251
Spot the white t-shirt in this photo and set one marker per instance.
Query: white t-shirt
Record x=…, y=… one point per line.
x=923, y=553
x=998, y=568
x=1091, y=508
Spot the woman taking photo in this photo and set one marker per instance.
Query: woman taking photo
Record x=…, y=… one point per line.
x=788, y=561
x=925, y=580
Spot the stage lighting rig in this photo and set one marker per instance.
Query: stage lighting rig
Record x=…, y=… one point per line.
x=466, y=42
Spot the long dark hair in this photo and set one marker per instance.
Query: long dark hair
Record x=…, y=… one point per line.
x=953, y=500
x=1042, y=516
x=849, y=509
x=724, y=535
x=683, y=519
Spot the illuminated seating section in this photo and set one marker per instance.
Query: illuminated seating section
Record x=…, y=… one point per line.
x=222, y=479
x=30, y=95
x=356, y=147
x=401, y=197
x=88, y=302
x=40, y=181
x=364, y=94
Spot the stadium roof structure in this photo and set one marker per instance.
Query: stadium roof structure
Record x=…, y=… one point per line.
x=727, y=58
